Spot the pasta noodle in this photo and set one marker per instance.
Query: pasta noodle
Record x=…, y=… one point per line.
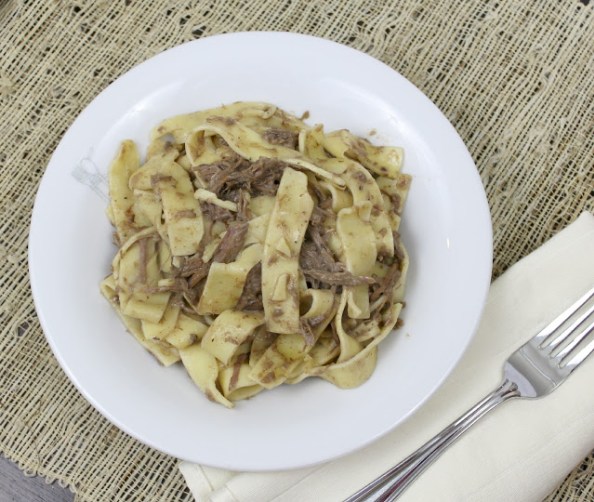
x=258, y=250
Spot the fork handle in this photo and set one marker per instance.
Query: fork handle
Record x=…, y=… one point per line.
x=393, y=482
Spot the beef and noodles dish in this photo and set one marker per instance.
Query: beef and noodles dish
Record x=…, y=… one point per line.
x=258, y=250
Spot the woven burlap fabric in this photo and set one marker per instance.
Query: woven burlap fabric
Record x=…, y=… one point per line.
x=515, y=78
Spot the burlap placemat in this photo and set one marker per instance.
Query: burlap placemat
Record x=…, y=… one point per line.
x=515, y=78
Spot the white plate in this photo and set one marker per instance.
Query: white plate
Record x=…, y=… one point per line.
x=446, y=228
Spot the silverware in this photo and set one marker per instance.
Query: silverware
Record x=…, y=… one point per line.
x=534, y=370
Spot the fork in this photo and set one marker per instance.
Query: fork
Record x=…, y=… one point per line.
x=534, y=370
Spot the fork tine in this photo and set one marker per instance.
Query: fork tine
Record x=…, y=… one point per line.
x=567, y=332
x=581, y=356
x=549, y=330
x=582, y=336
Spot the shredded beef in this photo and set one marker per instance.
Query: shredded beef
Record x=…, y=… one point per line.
x=207, y=171
x=319, y=216
x=315, y=253
x=237, y=179
x=217, y=174
x=309, y=258
x=192, y=270
x=323, y=200
x=251, y=296
x=243, y=209
x=232, y=243
x=319, y=265
x=187, y=310
x=199, y=275
x=306, y=331
x=177, y=300
x=195, y=270
x=179, y=286
x=317, y=320
x=184, y=301
x=216, y=213
x=317, y=261
x=226, y=177
x=143, y=259
x=326, y=258
x=196, y=292
x=398, y=253
x=282, y=137
x=242, y=358
x=191, y=265
x=266, y=175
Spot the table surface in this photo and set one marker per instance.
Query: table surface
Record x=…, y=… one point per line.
x=514, y=78
x=16, y=487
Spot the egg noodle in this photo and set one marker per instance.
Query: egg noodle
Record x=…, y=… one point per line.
x=258, y=250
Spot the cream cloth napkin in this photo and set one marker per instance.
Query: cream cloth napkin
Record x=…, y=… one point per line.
x=519, y=452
